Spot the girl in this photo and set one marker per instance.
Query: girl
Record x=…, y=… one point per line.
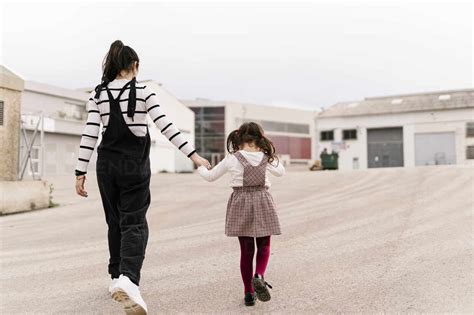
x=251, y=214
x=121, y=104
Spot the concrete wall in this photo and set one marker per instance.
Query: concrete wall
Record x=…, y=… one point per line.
x=10, y=94
x=29, y=195
x=453, y=120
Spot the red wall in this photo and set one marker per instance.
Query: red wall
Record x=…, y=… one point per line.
x=296, y=147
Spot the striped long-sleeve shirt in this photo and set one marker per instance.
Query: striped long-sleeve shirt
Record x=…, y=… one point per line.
x=147, y=104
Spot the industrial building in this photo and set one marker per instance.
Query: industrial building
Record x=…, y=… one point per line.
x=63, y=111
x=291, y=130
x=401, y=130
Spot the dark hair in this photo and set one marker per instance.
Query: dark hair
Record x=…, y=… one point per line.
x=118, y=58
x=251, y=132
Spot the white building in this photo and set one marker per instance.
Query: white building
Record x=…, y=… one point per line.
x=64, y=115
x=64, y=118
x=164, y=156
x=291, y=130
x=402, y=130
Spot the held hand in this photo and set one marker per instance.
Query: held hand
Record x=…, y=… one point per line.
x=80, y=186
x=200, y=161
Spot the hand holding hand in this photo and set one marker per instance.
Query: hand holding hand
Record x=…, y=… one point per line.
x=200, y=161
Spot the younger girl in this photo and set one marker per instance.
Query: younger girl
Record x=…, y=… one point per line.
x=251, y=214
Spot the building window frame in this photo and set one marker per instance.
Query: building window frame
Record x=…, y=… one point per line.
x=349, y=134
x=326, y=135
x=470, y=129
x=470, y=152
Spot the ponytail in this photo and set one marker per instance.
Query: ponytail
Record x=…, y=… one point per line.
x=118, y=58
x=233, y=141
x=266, y=145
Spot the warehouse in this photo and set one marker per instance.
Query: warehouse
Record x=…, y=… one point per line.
x=290, y=129
x=402, y=130
x=64, y=117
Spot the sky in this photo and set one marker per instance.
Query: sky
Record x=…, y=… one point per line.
x=293, y=54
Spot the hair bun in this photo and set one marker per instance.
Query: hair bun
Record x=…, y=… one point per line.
x=118, y=44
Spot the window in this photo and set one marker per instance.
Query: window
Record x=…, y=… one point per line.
x=1, y=113
x=209, y=132
x=470, y=152
x=296, y=147
x=297, y=128
x=327, y=135
x=470, y=129
x=350, y=134
x=277, y=126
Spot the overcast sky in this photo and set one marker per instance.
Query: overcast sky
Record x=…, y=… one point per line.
x=308, y=55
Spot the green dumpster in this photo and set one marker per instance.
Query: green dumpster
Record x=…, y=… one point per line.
x=329, y=161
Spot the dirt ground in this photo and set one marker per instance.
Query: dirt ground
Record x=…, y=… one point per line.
x=387, y=240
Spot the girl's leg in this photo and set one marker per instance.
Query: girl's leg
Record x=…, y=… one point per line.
x=109, y=194
x=133, y=205
x=247, y=250
x=263, y=254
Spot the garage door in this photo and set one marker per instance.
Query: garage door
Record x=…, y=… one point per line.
x=435, y=148
x=385, y=147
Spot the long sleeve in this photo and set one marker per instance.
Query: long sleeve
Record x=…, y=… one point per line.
x=89, y=136
x=276, y=168
x=216, y=172
x=167, y=128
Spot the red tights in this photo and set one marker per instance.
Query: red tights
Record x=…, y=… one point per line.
x=247, y=251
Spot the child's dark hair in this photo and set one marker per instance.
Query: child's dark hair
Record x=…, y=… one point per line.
x=251, y=132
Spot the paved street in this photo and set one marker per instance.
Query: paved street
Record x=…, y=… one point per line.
x=390, y=240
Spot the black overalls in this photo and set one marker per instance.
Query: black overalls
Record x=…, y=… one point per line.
x=123, y=175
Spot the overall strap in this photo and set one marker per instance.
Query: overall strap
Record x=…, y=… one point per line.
x=241, y=159
x=264, y=160
x=109, y=94
x=123, y=90
x=111, y=97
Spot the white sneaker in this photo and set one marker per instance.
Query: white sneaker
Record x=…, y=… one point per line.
x=127, y=293
x=112, y=284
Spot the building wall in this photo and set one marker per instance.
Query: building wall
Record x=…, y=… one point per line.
x=64, y=114
x=64, y=122
x=299, y=145
x=421, y=122
x=282, y=125
x=164, y=156
x=60, y=154
x=9, y=133
x=54, y=106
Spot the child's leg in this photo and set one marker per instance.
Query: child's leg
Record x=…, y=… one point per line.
x=247, y=250
x=263, y=254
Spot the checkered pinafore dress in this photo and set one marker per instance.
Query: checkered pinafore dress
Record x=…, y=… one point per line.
x=251, y=210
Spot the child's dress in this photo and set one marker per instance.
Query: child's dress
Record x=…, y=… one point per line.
x=250, y=210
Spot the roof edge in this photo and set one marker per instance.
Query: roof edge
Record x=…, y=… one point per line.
x=417, y=94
